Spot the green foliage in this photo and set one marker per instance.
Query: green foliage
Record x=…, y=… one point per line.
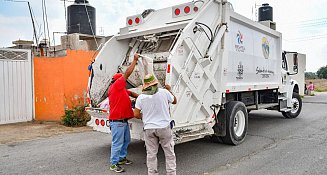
x=76, y=117
x=310, y=75
x=322, y=89
x=322, y=72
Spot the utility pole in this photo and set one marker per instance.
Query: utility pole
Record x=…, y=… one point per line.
x=29, y=7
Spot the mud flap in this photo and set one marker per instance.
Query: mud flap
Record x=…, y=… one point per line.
x=220, y=126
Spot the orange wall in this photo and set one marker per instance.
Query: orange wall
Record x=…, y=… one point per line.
x=59, y=83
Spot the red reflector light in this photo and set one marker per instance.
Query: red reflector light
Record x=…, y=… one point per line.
x=97, y=121
x=130, y=21
x=102, y=122
x=227, y=91
x=104, y=110
x=187, y=9
x=177, y=11
x=195, y=9
x=137, y=20
x=168, y=68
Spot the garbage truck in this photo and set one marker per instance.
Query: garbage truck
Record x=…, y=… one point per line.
x=220, y=65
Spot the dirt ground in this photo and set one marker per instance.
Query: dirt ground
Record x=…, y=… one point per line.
x=12, y=133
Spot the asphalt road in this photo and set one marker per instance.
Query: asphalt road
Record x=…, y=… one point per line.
x=274, y=145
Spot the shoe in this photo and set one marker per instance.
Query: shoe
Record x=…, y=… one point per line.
x=116, y=168
x=125, y=161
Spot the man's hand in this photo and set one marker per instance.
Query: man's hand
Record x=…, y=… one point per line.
x=168, y=87
x=137, y=113
x=131, y=67
x=134, y=95
x=136, y=57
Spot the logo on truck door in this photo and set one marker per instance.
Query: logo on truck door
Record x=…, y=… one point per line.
x=265, y=47
x=239, y=47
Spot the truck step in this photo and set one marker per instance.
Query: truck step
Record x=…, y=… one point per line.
x=262, y=106
x=285, y=110
x=189, y=136
x=282, y=98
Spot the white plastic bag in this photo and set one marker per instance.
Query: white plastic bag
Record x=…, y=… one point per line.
x=145, y=64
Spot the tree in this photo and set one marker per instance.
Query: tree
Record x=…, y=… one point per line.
x=310, y=75
x=322, y=72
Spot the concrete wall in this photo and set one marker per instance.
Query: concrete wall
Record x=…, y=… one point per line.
x=60, y=83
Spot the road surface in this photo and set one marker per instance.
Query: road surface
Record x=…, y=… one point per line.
x=274, y=145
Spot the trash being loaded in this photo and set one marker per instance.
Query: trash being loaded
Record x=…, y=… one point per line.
x=146, y=67
x=104, y=104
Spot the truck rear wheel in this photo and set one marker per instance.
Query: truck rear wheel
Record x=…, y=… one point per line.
x=296, y=107
x=236, y=123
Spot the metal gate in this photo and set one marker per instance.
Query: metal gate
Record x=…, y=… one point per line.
x=16, y=86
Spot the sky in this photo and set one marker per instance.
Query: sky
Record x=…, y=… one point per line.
x=303, y=23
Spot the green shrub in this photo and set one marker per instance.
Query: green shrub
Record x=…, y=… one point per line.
x=76, y=117
x=322, y=89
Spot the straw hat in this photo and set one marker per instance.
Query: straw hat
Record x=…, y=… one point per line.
x=149, y=80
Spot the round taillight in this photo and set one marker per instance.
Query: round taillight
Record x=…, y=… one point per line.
x=102, y=122
x=97, y=121
x=187, y=9
x=195, y=9
x=130, y=21
x=137, y=20
x=177, y=11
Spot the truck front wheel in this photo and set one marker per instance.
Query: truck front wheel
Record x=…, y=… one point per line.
x=296, y=107
x=236, y=123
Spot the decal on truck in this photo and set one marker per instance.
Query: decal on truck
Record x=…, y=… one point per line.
x=239, y=47
x=265, y=47
x=240, y=71
x=265, y=73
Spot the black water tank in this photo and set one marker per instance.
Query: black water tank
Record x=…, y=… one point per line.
x=78, y=19
x=265, y=13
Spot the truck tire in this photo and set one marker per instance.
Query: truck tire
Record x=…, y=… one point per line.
x=296, y=107
x=236, y=123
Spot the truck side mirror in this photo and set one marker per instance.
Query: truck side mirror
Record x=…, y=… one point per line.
x=284, y=61
x=295, y=61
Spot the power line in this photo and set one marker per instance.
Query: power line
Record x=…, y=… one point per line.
x=306, y=26
x=65, y=15
x=44, y=33
x=87, y=13
x=314, y=37
x=67, y=43
x=46, y=18
x=38, y=25
x=311, y=24
x=310, y=20
x=307, y=21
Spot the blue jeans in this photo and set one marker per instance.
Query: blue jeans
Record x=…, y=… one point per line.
x=121, y=137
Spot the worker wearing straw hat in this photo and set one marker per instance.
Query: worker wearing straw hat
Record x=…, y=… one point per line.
x=154, y=104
